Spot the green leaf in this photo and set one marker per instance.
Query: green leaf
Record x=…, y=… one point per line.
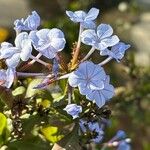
x=18, y=91
x=42, y=93
x=34, y=143
x=69, y=142
x=51, y=133
x=3, y=129
x=30, y=90
x=63, y=85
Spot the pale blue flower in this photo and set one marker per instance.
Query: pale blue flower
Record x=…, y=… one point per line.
x=100, y=39
x=48, y=42
x=7, y=77
x=86, y=19
x=123, y=145
x=73, y=110
x=101, y=96
x=93, y=127
x=92, y=82
x=22, y=50
x=88, y=76
x=32, y=22
x=117, y=51
x=120, y=134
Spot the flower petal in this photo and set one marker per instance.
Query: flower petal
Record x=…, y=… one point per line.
x=43, y=34
x=77, y=16
x=58, y=43
x=26, y=50
x=20, y=38
x=55, y=33
x=13, y=61
x=33, y=21
x=108, y=42
x=88, y=24
x=10, y=75
x=73, y=80
x=92, y=14
x=49, y=52
x=34, y=38
x=89, y=37
x=7, y=50
x=104, y=30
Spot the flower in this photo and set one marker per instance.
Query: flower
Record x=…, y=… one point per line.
x=48, y=42
x=22, y=50
x=86, y=19
x=73, y=110
x=120, y=134
x=117, y=51
x=123, y=145
x=102, y=95
x=93, y=127
x=101, y=38
x=92, y=82
x=7, y=77
x=88, y=76
x=30, y=23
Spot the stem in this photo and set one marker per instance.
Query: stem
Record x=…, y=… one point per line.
x=51, y=80
x=30, y=74
x=30, y=63
x=105, y=61
x=39, y=60
x=63, y=76
x=69, y=94
x=88, y=54
x=77, y=51
x=33, y=61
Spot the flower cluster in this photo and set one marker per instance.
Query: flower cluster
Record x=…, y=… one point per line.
x=89, y=78
x=48, y=42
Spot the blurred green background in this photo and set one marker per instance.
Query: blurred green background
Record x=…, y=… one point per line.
x=131, y=21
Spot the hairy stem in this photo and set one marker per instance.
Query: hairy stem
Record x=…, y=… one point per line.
x=77, y=51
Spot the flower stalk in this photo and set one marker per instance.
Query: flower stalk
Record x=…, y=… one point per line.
x=77, y=51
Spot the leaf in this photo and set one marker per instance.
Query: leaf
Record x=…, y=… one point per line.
x=3, y=129
x=69, y=142
x=63, y=85
x=18, y=91
x=30, y=90
x=51, y=133
x=45, y=103
x=43, y=93
x=34, y=143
